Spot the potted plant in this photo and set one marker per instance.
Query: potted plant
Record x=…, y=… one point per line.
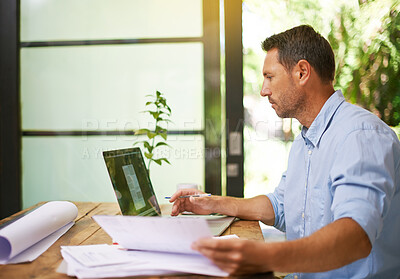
x=159, y=110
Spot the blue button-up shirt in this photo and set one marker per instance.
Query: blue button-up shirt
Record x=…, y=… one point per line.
x=347, y=164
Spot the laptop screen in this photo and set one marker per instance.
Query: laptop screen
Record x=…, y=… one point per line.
x=131, y=182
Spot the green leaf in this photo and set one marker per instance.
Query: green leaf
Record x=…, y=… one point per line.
x=148, y=146
x=140, y=142
x=155, y=114
x=160, y=160
x=163, y=135
x=160, y=130
x=164, y=111
x=161, y=143
x=149, y=155
x=151, y=135
x=142, y=131
x=149, y=111
x=163, y=120
x=165, y=160
x=157, y=161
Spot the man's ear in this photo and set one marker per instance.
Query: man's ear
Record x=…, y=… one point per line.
x=302, y=72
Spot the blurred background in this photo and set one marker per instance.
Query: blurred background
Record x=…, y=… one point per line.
x=365, y=37
x=75, y=75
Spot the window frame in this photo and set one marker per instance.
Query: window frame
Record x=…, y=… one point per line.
x=10, y=124
x=10, y=112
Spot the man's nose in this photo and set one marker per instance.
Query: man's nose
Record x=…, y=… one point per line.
x=265, y=92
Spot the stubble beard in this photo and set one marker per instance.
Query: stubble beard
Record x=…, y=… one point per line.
x=292, y=104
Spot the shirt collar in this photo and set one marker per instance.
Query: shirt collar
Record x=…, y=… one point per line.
x=321, y=122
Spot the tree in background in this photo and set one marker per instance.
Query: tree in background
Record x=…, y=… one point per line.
x=365, y=37
x=366, y=42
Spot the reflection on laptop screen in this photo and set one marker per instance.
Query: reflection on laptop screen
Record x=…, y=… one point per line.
x=131, y=182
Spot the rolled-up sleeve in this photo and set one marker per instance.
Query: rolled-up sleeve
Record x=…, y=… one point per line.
x=363, y=179
x=276, y=199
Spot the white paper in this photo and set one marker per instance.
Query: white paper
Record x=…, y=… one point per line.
x=39, y=248
x=137, y=263
x=28, y=237
x=98, y=255
x=228, y=236
x=72, y=267
x=155, y=233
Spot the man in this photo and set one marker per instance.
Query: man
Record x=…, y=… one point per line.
x=339, y=200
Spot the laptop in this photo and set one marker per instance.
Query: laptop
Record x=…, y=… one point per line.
x=135, y=193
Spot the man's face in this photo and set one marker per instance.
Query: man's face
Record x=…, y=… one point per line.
x=279, y=86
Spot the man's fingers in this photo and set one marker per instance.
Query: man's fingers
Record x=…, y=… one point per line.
x=215, y=255
x=175, y=209
x=198, y=205
x=175, y=196
x=216, y=244
x=180, y=206
x=184, y=192
x=227, y=254
x=235, y=256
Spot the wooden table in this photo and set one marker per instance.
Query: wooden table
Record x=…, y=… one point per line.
x=86, y=231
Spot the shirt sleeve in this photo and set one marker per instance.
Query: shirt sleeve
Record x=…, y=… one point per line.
x=363, y=176
x=276, y=199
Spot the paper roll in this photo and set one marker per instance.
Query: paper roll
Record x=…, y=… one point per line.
x=35, y=226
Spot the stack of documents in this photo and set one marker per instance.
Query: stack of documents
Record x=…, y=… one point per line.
x=146, y=246
x=102, y=261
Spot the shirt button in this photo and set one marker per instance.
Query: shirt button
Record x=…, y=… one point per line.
x=309, y=152
x=302, y=215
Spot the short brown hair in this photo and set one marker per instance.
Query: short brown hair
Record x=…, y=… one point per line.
x=302, y=42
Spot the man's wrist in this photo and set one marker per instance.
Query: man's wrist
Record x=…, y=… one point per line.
x=224, y=205
x=275, y=255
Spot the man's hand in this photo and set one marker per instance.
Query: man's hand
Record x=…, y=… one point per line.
x=258, y=208
x=197, y=205
x=235, y=256
x=333, y=246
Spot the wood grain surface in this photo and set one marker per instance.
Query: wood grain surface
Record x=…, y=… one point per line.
x=86, y=231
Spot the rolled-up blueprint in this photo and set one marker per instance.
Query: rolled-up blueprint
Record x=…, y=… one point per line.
x=31, y=235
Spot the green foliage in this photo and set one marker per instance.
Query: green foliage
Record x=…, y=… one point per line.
x=366, y=43
x=365, y=36
x=252, y=68
x=158, y=109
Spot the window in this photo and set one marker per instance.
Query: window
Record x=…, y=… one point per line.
x=86, y=67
